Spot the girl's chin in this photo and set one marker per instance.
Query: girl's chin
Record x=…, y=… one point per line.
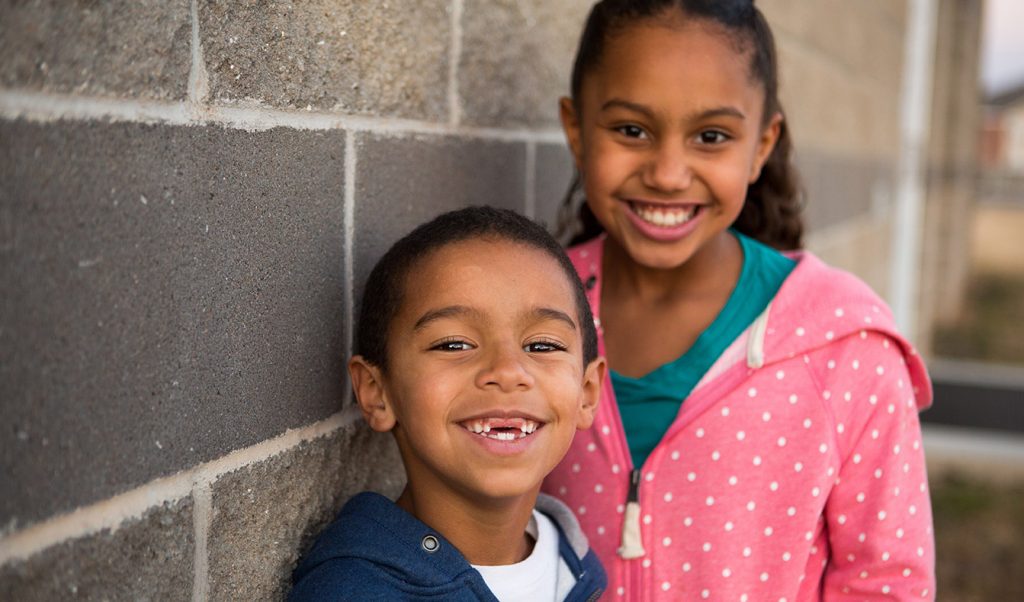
x=655, y=255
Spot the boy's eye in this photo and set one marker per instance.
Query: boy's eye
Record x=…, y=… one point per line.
x=631, y=131
x=712, y=137
x=452, y=346
x=543, y=347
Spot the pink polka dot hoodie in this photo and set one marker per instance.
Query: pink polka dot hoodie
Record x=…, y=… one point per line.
x=794, y=471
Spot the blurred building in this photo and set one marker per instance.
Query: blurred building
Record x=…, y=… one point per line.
x=1002, y=140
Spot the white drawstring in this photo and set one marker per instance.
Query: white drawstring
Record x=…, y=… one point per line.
x=755, y=339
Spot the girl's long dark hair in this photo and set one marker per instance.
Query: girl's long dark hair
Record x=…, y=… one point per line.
x=771, y=212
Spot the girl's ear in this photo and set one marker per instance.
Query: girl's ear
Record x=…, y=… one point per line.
x=371, y=395
x=571, y=127
x=769, y=136
x=593, y=381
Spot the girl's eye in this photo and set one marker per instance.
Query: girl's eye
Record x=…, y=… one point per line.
x=712, y=137
x=453, y=345
x=631, y=131
x=543, y=347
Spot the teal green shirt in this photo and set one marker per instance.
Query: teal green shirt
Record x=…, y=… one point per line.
x=649, y=404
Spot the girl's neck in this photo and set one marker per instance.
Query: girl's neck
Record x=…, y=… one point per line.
x=714, y=266
x=487, y=534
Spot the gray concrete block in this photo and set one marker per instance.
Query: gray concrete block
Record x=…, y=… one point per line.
x=516, y=59
x=403, y=182
x=553, y=174
x=840, y=188
x=148, y=558
x=377, y=58
x=266, y=515
x=170, y=294
x=122, y=48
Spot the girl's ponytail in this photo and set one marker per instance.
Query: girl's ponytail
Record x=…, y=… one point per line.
x=772, y=211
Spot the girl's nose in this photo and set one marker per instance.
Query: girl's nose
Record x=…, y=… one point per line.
x=668, y=169
x=506, y=370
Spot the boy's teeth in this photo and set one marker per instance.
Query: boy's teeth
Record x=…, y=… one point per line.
x=483, y=427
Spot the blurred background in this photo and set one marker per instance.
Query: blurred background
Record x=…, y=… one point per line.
x=193, y=191
x=975, y=433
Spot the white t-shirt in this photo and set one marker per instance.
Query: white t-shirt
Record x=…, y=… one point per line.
x=542, y=575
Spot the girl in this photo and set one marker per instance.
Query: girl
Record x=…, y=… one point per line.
x=758, y=437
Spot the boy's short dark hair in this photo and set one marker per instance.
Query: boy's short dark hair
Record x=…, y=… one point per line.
x=385, y=288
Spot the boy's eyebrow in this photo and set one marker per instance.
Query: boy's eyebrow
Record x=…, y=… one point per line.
x=554, y=314
x=444, y=312
x=647, y=112
x=545, y=313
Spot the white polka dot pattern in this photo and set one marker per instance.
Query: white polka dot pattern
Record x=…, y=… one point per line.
x=803, y=478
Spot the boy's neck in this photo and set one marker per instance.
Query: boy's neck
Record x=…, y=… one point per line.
x=487, y=534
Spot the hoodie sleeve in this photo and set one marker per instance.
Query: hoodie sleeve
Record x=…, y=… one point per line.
x=878, y=514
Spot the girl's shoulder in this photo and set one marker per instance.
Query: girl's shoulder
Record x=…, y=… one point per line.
x=586, y=256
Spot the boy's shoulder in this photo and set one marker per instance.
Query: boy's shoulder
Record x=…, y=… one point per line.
x=376, y=550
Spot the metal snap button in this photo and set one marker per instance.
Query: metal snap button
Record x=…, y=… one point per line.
x=430, y=543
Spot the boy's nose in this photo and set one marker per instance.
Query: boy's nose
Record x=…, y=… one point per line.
x=505, y=369
x=668, y=169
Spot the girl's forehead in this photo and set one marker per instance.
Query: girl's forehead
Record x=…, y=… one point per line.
x=683, y=44
x=695, y=62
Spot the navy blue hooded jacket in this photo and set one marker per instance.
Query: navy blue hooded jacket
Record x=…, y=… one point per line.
x=375, y=550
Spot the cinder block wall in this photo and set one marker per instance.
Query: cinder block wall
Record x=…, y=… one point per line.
x=191, y=194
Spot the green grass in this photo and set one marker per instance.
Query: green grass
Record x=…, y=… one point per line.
x=979, y=539
x=990, y=327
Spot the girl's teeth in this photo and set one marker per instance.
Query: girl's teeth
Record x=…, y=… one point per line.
x=664, y=217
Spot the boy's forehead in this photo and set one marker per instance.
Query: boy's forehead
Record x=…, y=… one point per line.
x=478, y=274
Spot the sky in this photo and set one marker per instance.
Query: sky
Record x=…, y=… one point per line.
x=1002, y=45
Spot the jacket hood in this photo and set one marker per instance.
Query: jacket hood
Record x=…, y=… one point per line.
x=805, y=316
x=816, y=305
x=372, y=528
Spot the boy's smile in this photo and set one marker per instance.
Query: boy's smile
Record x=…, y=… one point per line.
x=485, y=385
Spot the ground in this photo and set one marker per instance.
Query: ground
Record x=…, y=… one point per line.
x=979, y=537
x=989, y=329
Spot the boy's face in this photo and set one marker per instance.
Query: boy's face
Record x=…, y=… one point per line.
x=485, y=385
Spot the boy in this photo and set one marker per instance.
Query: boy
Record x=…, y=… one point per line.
x=477, y=350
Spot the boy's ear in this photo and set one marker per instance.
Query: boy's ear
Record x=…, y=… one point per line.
x=593, y=381
x=765, y=145
x=571, y=126
x=368, y=384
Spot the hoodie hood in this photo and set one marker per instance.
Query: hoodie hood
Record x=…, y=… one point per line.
x=805, y=316
x=376, y=550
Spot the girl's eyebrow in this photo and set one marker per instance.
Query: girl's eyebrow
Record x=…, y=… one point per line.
x=625, y=104
x=724, y=111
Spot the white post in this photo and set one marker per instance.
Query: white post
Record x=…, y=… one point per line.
x=915, y=113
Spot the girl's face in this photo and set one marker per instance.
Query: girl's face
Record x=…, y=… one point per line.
x=669, y=134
